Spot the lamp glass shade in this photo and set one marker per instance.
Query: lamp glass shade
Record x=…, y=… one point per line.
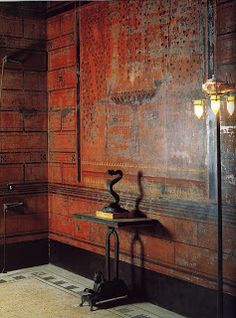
x=230, y=101
x=198, y=107
x=215, y=103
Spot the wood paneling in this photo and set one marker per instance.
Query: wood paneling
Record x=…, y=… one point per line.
x=23, y=121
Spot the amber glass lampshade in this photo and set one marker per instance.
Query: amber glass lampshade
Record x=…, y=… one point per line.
x=215, y=103
x=230, y=101
x=198, y=107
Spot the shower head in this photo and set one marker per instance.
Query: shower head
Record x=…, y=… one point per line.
x=13, y=61
x=7, y=59
x=12, y=205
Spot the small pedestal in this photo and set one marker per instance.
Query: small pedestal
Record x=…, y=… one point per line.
x=105, y=288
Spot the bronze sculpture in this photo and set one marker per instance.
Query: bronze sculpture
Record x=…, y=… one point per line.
x=113, y=210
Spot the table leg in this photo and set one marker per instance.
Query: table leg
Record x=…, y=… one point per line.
x=108, y=289
x=112, y=231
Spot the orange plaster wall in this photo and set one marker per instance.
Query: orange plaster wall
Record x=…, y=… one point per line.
x=126, y=47
x=62, y=98
x=23, y=121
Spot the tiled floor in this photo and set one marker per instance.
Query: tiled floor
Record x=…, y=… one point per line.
x=71, y=284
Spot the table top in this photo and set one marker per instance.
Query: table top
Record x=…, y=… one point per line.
x=117, y=223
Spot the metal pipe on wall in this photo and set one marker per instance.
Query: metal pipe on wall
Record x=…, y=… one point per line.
x=5, y=60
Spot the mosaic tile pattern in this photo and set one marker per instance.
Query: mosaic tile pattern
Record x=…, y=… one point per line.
x=75, y=284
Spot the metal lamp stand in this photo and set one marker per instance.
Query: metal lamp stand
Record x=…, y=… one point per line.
x=219, y=223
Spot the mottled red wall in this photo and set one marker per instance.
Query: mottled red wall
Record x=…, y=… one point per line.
x=132, y=46
x=62, y=98
x=225, y=60
x=126, y=47
x=62, y=112
x=23, y=120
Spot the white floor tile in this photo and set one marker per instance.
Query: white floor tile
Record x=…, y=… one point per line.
x=74, y=284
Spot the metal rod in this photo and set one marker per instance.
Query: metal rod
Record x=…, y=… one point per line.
x=219, y=225
x=4, y=60
x=211, y=16
x=107, y=252
x=4, y=240
x=117, y=243
x=111, y=231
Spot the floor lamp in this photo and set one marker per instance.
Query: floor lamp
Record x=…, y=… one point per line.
x=218, y=93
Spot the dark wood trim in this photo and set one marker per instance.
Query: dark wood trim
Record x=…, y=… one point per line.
x=65, y=6
x=24, y=189
x=174, y=294
x=77, y=45
x=25, y=254
x=188, y=274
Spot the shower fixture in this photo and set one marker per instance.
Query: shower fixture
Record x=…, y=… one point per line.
x=8, y=206
x=11, y=205
x=6, y=59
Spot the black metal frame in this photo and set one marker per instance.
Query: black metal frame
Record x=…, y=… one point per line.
x=111, y=231
x=219, y=225
x=109, y=289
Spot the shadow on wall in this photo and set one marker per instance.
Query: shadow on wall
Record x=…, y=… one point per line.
x=137, y=273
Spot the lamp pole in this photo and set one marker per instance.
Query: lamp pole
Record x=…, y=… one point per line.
x=216, y=89
x=219, y=223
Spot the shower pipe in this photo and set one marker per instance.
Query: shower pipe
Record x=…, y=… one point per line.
x=5, y=60
x=6, y=207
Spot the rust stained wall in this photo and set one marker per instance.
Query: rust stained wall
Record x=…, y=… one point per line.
x=225, y=59
x=143, y=45
x=62, y=98
x=62, y=115
x=23, y=120
x=126, y=47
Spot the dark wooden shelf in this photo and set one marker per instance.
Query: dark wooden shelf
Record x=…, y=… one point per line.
x=118, y=223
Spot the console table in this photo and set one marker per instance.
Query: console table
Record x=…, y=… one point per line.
x=111, y=288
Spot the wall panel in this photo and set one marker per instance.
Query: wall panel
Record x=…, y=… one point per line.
x=23, y=124
x=141, y=64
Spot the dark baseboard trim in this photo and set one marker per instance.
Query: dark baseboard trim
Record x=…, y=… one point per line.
x=25, y=254
x=174, y=294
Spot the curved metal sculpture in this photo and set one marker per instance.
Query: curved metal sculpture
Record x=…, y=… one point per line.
x=114, y=207
x=111, y=183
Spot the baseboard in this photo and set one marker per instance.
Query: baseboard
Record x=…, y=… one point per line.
x=180, y=296
x=25, y=254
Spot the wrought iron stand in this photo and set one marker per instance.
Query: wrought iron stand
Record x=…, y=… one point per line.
x=109, y=289
x=112, y=231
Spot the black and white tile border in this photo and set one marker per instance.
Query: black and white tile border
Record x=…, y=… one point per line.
x=68, y=285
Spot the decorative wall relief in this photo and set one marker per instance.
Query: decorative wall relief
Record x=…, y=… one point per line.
x=134, y=98
x=140, y=63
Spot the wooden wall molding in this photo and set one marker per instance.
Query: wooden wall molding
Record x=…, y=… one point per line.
x=164, y=290
x=24, y=189
x=196, y=211
x=203, y=279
